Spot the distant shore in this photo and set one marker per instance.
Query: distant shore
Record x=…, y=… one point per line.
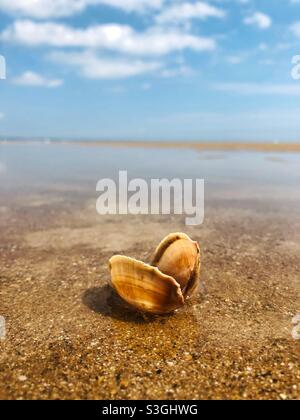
x=201, y=145
x=219, y=146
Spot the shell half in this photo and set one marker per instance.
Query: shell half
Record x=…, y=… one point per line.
x=145, y=287
x=179, y=257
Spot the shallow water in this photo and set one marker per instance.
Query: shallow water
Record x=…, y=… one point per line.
x=38, y=166
x=70, y=336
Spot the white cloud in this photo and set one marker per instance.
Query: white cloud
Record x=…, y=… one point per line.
x=259, y=89
x=30, y=78
x=114, y=37
x=2, y=115
x=91, y=66
x=259, y=19
x=45, y=9
x=182, y=12
x=42, y=8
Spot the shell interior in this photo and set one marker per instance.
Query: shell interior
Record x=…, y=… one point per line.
x=145, y=287
x=179, y=257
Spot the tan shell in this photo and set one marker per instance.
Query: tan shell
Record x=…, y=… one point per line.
x=179, y=257
x=162, y=287
x=144, y=287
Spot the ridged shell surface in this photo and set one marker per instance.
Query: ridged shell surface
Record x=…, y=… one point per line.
x=145, y=287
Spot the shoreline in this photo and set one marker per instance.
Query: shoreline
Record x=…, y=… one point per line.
x=201, y=146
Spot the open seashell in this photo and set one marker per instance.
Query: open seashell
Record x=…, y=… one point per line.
x=162, y=287
x=145, y=287
x=179, y=257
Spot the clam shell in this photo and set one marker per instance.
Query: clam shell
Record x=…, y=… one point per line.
x=145, y=287
x=179, y=257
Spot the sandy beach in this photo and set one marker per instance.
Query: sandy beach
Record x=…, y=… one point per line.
x=201, y=145
x=281, y=147
x=69, y=336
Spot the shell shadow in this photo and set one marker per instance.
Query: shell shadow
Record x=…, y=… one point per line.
x=104, y=300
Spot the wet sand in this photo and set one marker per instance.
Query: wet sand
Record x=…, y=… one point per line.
x=212, y=146
x=282, y=147
x=70, y=337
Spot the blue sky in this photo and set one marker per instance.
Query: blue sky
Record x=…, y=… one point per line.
x=150, y=69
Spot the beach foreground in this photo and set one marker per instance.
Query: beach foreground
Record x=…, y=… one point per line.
x=70, y=336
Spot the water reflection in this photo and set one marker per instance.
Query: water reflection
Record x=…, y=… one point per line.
x=76, y=168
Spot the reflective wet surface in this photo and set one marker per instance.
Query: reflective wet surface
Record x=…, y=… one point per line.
x=67, y=333
x=43, y=164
